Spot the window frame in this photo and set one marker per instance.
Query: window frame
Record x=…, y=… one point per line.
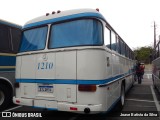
x=109, y=31
x=113, y=34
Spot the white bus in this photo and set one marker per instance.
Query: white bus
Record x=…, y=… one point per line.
x=156, y=67
x=72, y=61
x=9, y=43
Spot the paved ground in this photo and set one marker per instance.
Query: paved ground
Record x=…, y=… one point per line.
x=141, y=99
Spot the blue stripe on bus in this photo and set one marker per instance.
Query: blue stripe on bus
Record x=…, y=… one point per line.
x=70, y=81
x=87, y=14
x=55, y=109
x=7, y=60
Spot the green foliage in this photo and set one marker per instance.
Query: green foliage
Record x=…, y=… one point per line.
x=143, y=54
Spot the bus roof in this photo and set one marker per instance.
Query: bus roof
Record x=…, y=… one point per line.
x=64, y=15
x=10, y=24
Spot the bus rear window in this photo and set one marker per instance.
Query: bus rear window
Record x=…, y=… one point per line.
x=34, y=39
x=76, y=33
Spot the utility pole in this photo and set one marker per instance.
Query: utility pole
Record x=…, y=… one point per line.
x=154, y=34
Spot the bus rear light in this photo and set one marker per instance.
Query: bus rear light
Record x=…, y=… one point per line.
x=73, y=108
x=53, y=12
x=58, y=11
x=17, y=101
x=16, y=85
x=88, y=88
x=97, y=9
x=47, y=14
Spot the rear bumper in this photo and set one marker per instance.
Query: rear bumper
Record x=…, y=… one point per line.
x=60, y=106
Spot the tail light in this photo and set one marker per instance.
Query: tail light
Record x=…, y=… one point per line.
x=87, y=88
x=73, y=108
x=17, y=101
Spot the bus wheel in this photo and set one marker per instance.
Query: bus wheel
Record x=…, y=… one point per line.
x=5, y=97
x=122, y=98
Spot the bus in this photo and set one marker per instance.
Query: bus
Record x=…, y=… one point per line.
x=156, y=67
x=73, y=61
x=10, y=35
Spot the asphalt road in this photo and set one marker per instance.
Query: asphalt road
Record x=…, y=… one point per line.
x=141, y=100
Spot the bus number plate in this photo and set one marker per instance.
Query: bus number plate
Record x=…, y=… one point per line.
x=45, y=88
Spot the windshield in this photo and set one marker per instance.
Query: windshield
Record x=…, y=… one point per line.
x=76, y=33
x=34, y=39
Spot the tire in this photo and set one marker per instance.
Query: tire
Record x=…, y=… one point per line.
x=122, y=98
x=5, y=97
x=118, y=108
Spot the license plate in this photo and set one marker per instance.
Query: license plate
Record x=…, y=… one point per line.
x=45, y=88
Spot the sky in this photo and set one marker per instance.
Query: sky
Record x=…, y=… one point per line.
x=133, y=20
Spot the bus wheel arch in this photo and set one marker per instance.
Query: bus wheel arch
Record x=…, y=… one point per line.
x=6, y=93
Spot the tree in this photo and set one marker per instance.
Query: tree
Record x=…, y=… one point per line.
x=143, y=54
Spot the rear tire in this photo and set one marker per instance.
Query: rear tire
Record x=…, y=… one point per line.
x=122, y=98
x=118, y=108
x=5, y=97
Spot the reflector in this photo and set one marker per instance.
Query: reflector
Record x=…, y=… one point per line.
x=73, y=108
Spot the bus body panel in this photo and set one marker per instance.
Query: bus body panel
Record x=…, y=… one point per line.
x=77, y=76
x=54, y=71
x=156, y=73
x=28, y=67
x=91, y=65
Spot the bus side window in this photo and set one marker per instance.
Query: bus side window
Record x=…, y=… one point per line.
x=122, y=48
x=118, y=45
x=113, y=41
x=127, y=51
x=4, y=36
x=130, y=54
x=107, y=38
x=159, y=48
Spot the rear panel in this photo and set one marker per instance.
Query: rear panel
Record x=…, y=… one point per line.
x=50, y=76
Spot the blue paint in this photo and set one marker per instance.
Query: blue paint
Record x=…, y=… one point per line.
x=7, y=60
x=69, y=17
x=70, y=81
x=55, y=109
